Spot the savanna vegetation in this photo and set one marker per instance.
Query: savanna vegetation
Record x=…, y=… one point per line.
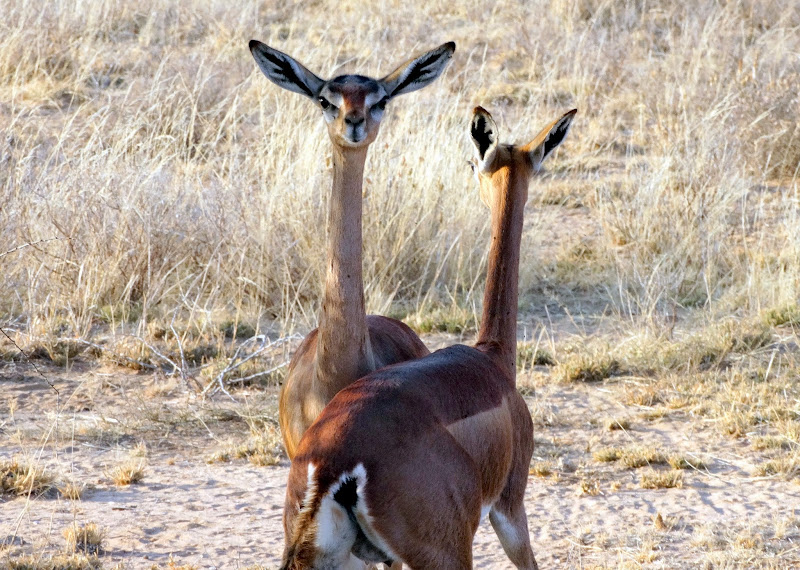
x=162, y=209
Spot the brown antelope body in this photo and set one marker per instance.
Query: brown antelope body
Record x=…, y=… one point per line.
x=348, y=343
x=401, y=465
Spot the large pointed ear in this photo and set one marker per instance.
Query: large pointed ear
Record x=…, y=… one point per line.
x=418, y=72
x=285, y=71
x=548, y=139
x=483, y=131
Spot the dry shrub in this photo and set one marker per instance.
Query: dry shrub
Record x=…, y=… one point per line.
x=764, y=442
x=783, y=316
x=454, y=320
x=262, y=451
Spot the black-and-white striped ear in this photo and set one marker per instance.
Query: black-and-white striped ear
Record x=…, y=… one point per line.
x=548, y=139
x=284, y=71
x=483, y=131
x=418, y=72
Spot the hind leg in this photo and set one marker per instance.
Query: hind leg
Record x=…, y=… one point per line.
x=511, y=527
x=508, y=513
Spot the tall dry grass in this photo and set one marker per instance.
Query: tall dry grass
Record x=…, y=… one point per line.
x=150, y=174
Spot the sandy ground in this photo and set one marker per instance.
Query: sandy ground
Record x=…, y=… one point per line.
x=227, y=514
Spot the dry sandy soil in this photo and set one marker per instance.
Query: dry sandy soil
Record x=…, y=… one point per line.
x=198, y=505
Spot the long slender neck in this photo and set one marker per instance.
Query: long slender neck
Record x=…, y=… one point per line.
x=498, y=332
x=343, y=352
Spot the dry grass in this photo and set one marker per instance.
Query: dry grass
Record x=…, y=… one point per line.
x=86, y=539
x=677, y=461
x=130, y=472
x=25, y=478
x=541, y=468
x=130, y=142
x=55, y=562
x=174, y=565
x=163, y=204
x=72, y=490
x=614, y=424
x=652, y=479
x=632, y=456
x=787, y=466
x=264, y=445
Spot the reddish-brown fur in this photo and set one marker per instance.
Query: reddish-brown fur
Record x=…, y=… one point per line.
x=348, y=343
x=440, y=437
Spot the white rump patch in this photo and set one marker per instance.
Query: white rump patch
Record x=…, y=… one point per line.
x=335, y=530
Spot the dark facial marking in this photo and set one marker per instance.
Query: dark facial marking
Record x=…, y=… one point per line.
x=338, y=82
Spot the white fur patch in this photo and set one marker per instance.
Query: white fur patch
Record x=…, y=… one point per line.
x=509, y=533
x=335, y=530
x=374, y=96
x=311, y=488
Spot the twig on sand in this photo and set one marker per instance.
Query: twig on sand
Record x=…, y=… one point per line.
x=218, y=383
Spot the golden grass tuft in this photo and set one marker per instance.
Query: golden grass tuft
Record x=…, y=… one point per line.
x=643, y=396
x=455, y=320
x=652, y=479
x=541, y=468
x=582, y=368
x=787, y=315
x=607, y=454
x=589, y=486
x=765, y=442
x=86, y=539
x=23, y=478
x=636, y=456
x=786, y=466
x=129, y=472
